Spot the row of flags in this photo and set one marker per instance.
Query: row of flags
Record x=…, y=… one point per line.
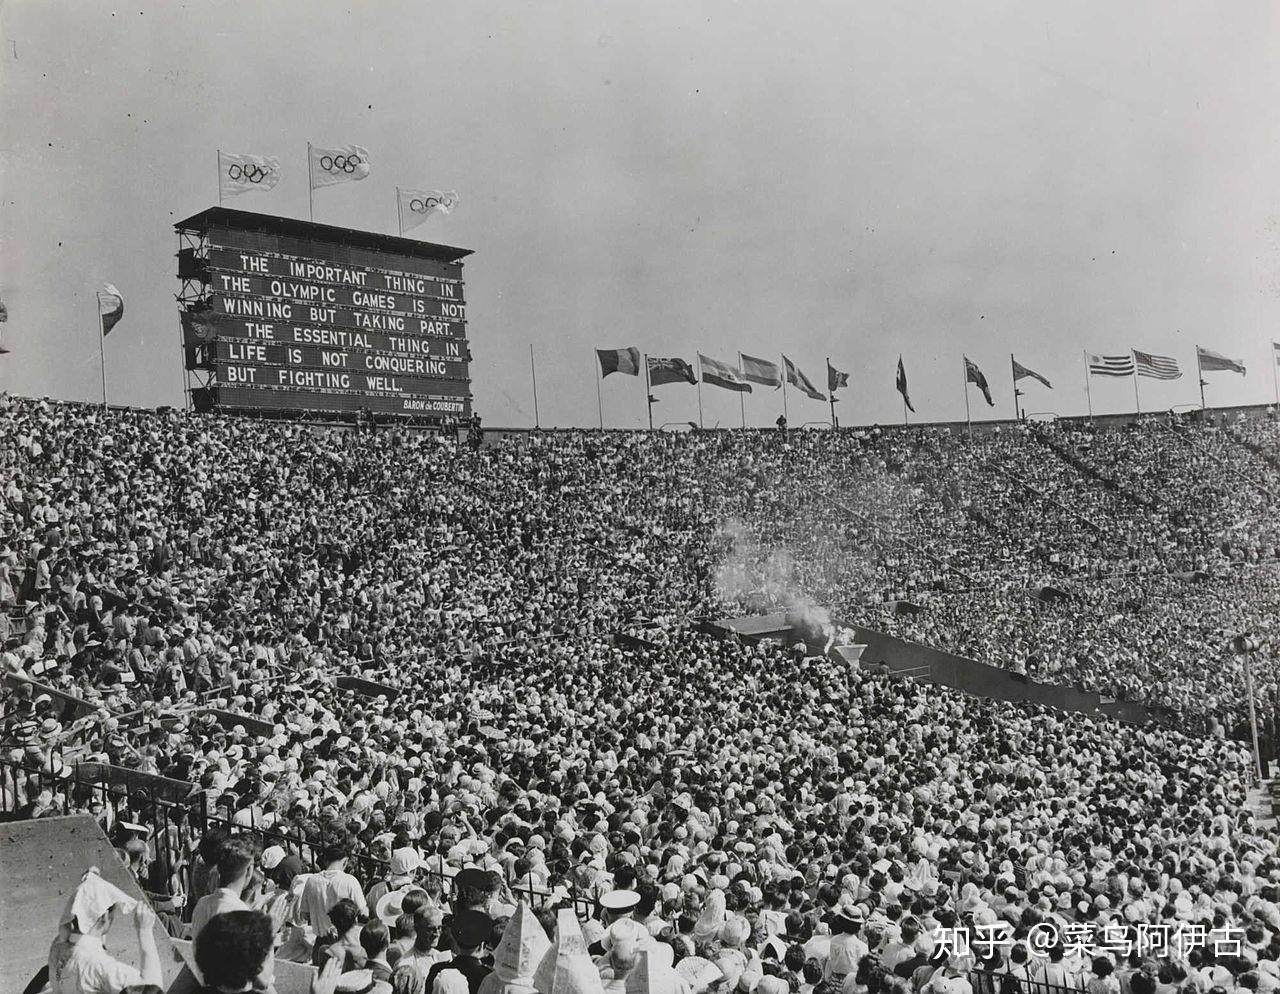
x=752, y=369
x=716, y=372
x=1162, y=367
x=246, y=172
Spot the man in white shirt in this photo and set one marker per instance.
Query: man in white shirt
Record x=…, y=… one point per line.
x=325, y=889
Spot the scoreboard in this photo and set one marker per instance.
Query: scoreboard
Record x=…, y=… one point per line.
x=290, y=316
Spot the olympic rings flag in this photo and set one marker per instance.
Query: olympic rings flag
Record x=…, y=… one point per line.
x=240, y=172
x=345, y=164
x=418, y=205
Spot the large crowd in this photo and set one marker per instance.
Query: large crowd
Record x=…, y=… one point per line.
x=561, y=738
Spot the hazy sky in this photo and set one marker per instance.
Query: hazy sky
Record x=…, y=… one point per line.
x=850, y=180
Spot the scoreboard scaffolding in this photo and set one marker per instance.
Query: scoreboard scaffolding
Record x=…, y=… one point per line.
x=285, y=318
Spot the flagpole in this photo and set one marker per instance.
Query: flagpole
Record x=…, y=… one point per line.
x=311, y=189
x=1136, y=402
x=1199, y=376
x=102, y=351
x=742, y=400
x=219, y=177
x=533, y=369
x=1275, y=361
x=700, y=390
x=1017, y=414
x=400, y=224
x=1087, y=392
x=599, y=396
x=783, y=369
x=967, y=419
x=648, y=391
x=831, y=395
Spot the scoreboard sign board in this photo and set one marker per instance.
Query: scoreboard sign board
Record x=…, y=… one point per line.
x=294, y=316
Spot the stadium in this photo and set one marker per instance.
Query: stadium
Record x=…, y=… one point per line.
x=336, y=655
x=521, y=658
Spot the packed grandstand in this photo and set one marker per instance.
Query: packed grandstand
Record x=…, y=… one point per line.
x=554, y=717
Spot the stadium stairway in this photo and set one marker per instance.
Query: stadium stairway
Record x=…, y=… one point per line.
x=1264, y=802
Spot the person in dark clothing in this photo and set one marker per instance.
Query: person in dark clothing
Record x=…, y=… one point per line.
x=468, y=932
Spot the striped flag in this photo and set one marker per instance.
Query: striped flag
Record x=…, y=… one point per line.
x=1212, y=362
x=760, y=371
x=796, y=377
x=625, y=361
x=972, y=374
x=1157, y=367
x=344, y=164
x=240, y=172
x=1110, y=365
x=110, y=308
x=835, y=378
x=1020, y=372
x=721, y=374
x=901, y=384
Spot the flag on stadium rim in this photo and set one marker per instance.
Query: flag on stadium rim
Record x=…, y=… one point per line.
x=835, y=378
x=672, y=370
x=901, y=384
x=1110, y=365
x=760, y=371
x=1276, y=347
x=619, y=361
x=796, y=377
x=242, y=172
x=415, y=206
x=721, y=374
x=972, y=374
x=1157, y=367
x=1212, y=362
x=1021, y=372
x=343, y=164
x=110, y=306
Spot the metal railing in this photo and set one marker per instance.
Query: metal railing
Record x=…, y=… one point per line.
x=175, y=827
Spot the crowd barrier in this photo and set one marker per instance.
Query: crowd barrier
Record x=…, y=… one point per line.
x=177, y=813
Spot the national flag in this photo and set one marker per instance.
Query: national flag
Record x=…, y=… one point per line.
x=760, y=371
x=721, y=374
x=1276, y=348
x=1020, y=372
x=901, y=384
x=619, y=361
x=972, y=374
x=1157, y=367
x=835, y=378
x=796, y=377
x=1110, y=365
x=110, y=306
x=343, y=164
x=1212, y=362
x=415, y=206
x=671, y=370
x=240, y=172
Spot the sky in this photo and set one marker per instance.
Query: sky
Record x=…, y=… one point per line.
x=846, y=180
